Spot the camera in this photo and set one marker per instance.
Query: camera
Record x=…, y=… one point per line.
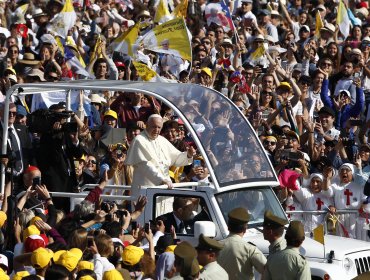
x=119, y=150
x=107, y=206
x=42, y=121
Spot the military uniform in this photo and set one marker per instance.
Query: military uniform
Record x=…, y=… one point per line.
x=211, y=270
x=277, y=246
x=272, y=222
x=287, y=265
x=190, y=265
x=238, y=257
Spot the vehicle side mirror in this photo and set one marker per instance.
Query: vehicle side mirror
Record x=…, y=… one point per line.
x=205, y=227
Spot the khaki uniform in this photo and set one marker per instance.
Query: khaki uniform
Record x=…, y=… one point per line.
x=213, y=271
x=238, y=257
x=277, y=246
x=287, y=265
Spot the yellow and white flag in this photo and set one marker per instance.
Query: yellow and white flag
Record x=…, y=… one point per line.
x=343, y=19
x=162, y=13
x=170, y=37
x=20, y=12
x=126, y=42
x=258, y=53
x=181, y=9
x=147, y=74
x=63, y=21
x=318, y=25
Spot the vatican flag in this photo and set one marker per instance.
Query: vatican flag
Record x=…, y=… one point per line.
x=170, y=37
x=20, y=12
x=343, y=19
x=181, y=9
x=258, y=53
x=63, y=21
x=126, y=42
x=162, y=13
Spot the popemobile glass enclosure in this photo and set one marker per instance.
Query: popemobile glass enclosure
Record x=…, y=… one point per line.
x=221, y=133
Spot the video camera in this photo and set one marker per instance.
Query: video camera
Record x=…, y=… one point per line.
x=42, y=121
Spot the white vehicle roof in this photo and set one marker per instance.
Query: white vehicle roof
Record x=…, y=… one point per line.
x=181, y=98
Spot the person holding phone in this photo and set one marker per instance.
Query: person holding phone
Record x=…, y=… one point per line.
x=199, y=172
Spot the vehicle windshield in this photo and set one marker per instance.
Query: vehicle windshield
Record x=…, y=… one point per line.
x=255, y=200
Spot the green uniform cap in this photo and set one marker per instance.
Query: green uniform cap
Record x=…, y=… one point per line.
x=270, y=220
x=239, y=215
x=295, y=230
x=184, y=250
x=209, y=244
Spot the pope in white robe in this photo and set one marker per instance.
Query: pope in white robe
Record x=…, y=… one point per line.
x=152, y=155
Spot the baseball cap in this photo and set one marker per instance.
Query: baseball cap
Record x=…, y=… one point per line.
x=33, y=242
x=31, y=230
x=207, y=71
x=111, y=113
x=131, y=255
x=284, y=85
x=3, y=275
x=41, y=257
x=346, y=92
x=69, y=259
x=85, y=265
x=327, y=110
x=21, y=110
x=113, y=274
x=20, y=274
x=4, y=261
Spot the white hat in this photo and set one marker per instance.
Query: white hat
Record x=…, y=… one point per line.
x=96, y=8
x=329, y=27
x=96, y=98
x=356, y=51
x=346, y=92
x=275, y=14
x=317, y=175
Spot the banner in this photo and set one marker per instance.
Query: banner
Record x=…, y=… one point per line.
x=126, y=42
x=170, y=37
x=63, y=21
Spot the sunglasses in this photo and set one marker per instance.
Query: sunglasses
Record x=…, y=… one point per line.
x=92, y=161
x=270, y=143
x=12, y=114
x=207, y=42
x=305, y=83
x=267, y=92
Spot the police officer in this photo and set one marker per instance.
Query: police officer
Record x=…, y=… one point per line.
x=273, y=230
x=289, y=263
x=208, y=250
x=186, y=262
x=238, y=257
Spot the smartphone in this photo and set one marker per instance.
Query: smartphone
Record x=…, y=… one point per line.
x=238, y=167
x=356, y=75
x=176, y=241
x=196, y=163
x=147, y=227
x=356, y=122
x=90, y=241
x=36, y=182
x=133, y=225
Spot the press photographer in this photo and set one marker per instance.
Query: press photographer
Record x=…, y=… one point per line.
x=59, y=144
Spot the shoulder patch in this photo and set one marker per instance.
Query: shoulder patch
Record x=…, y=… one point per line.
x=252, y=244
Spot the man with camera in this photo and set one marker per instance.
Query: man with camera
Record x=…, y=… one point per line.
x=59, y=144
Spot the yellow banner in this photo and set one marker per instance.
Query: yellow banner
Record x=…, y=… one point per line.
x=144, y=71
x=170, y=37
x=181, y=9
x=318, y=234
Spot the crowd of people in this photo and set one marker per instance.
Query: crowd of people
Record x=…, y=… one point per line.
x=293, y=70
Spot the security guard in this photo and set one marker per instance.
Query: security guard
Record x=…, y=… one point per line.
x=186, y=262
x=238, y=257
x=273, y=230
x=208, y=250
x=289, y=264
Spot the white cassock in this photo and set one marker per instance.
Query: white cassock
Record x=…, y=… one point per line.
x=151, y=159
x=312, y=202
x=349, y=196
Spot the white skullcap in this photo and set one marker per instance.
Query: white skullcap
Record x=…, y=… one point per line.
x=155, y=116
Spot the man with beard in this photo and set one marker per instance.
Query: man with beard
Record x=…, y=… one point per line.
x=344, y=80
